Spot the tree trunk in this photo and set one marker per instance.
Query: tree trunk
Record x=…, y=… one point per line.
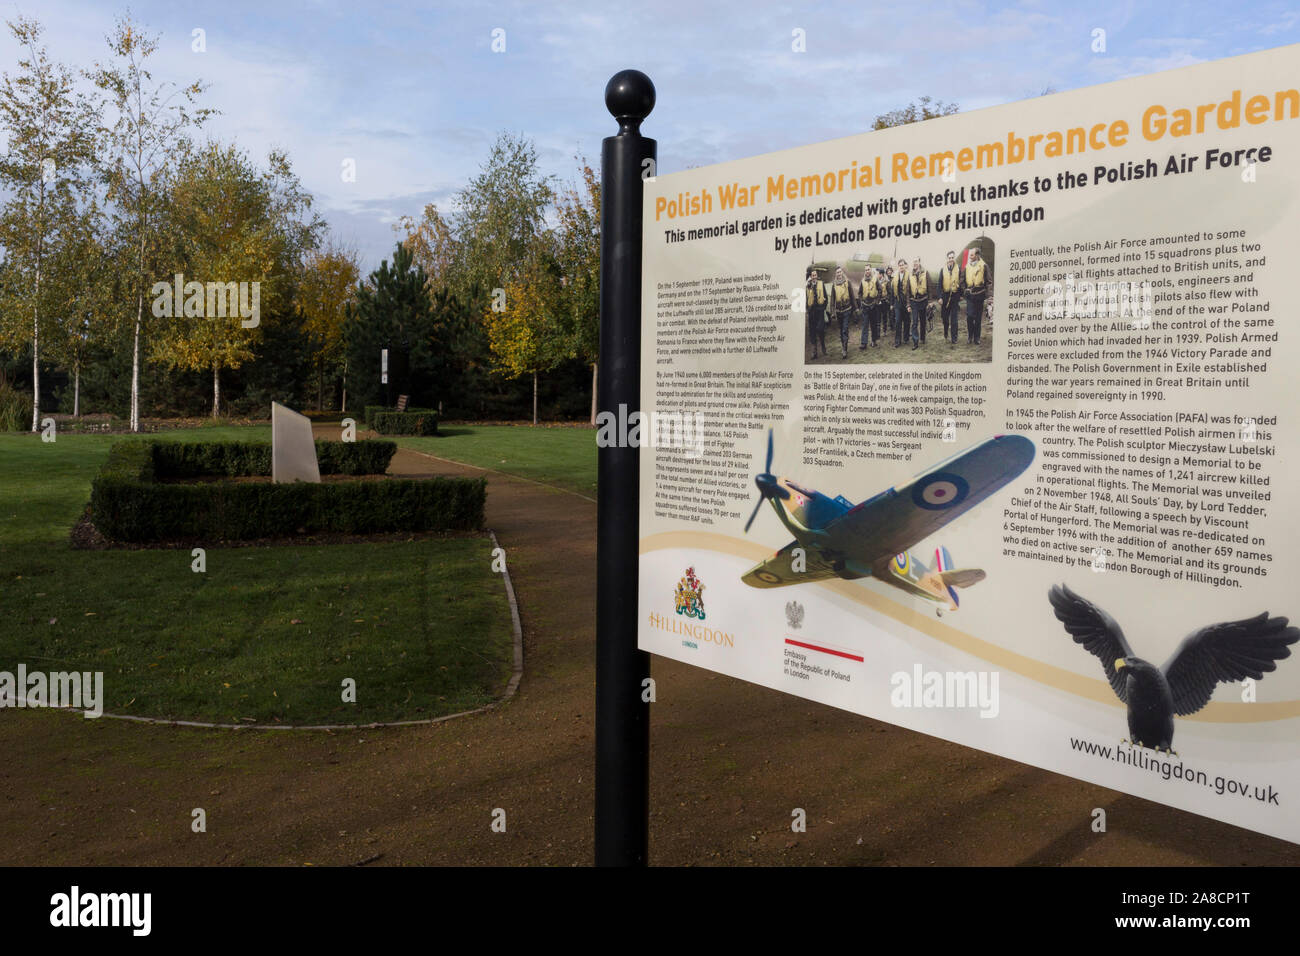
x=135, y=347
x=135, y=371
x=76, y=390
x=344, y=408
x=36, y=352
x=36, y=318
x=593, y=394
x=216, y=390
x=534, y=398
x=320, y=385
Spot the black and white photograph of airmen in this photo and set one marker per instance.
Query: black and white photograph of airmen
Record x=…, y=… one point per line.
x=931, y=305
x=898, y=297
x=815, y=297
x=844, y=305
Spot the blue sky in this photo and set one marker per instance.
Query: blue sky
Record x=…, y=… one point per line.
x=415, y=95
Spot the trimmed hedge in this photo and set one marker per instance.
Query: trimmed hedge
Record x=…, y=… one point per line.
x=173, y=459
x=406, y=423
x=177, y=459
x=372, y=410
x=368, y=457
x=128, y=504
x=129, y=465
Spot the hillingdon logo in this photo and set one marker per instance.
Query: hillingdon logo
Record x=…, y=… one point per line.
x=690, y=595
x=692, y=634
x=689, y=603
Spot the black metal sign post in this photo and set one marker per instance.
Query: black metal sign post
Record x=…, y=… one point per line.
x=622, y=715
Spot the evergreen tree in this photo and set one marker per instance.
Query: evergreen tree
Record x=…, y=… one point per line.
x=393, y=310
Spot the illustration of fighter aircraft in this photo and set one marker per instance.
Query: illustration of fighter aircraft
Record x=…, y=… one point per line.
x=872, y=539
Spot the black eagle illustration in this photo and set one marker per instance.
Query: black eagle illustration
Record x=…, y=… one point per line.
x=1227, y=652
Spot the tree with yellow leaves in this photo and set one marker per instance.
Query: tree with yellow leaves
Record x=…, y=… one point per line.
x=523, y=328
x=237, y=238
x=432, y=245
x=329, y=276
x=578, y=256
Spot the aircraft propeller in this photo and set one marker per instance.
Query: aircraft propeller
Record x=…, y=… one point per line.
x=768, y=486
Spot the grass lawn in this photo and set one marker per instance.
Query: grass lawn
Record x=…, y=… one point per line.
x=564, y=457
x=423, y=627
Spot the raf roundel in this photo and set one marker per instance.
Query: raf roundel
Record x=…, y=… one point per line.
x=940, y=490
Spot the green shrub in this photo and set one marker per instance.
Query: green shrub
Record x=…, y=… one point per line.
x=178, y=459
x=128, y=504
x=369, y=457
x=233, y=459
x=131, y=459
x=15, y=409
x=148, y=511
x=372, y=410
x=129, y=467
x=406, y=423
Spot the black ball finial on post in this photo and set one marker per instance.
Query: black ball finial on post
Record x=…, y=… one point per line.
x=629, y=97
x=622, y=710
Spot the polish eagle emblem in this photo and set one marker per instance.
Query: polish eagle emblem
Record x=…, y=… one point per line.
x=794, y=614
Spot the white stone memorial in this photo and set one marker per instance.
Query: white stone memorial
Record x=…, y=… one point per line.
x=293, y=449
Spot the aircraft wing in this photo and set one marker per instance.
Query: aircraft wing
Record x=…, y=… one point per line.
x=778, y=572
x=963, y=577
x=900, y=517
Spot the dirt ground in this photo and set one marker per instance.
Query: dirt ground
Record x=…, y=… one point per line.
x=729, y=762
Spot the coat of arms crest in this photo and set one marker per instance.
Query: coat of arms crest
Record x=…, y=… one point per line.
x=690, y=595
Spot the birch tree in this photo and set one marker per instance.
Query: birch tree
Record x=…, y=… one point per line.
x=49, y=128
x=148, y=134
x=498, y=220
x=82, y=283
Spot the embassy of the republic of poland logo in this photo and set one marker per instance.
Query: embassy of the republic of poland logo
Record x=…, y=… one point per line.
x=690, y=595
x=794, y=615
